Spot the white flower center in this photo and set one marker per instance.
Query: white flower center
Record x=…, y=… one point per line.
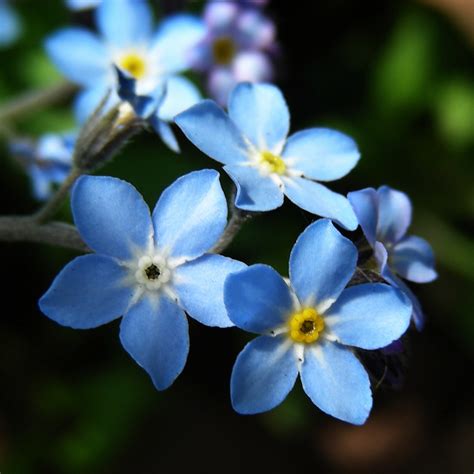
x=152, y=272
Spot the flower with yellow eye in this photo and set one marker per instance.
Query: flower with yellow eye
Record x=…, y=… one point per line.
x=127, y=40
x=309, y=326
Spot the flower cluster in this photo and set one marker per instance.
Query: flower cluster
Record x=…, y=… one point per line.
x=153, y=269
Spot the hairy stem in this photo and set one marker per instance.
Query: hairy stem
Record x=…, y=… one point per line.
x=35, y=100
x=51, y=206
x=237, y=219
x=26, y=229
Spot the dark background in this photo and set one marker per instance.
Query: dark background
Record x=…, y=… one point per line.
x=398, y=77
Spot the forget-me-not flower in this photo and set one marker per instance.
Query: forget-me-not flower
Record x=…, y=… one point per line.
x=384, y=216
x=127, y=40
x=150, y=269
x=309, y=325
x=48, y=161
x=238, y=42
x=82, y=4
x=265, y=165
x=10, y=26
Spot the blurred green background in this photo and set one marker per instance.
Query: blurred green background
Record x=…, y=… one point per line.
x=399, y=78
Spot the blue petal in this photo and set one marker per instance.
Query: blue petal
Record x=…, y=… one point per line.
x=254, y=191
x=211, y=130
x=165, y=132
x=381, y=256
x=317, y=199
x=40, y=183
x=82, y=4
x=336, y=382
x=200, y=288
x=369, y=316
x=89, y=99
x=190, y=215
x=394, y=214
x=261, y=113
x=89, y=291
x=10, y=26
x=365, y=205
x=263, y=375
x=111, y=216
x=321, y=153
x=181, y=94
x=174, y=41
x=412, y=258
x=322, y=262
x=257, y=299
x=124, y=22
x=80, y=55
x=156, y=336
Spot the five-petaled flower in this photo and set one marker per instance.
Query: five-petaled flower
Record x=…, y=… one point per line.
x=127, y=40
x=235, y=48
x=148, y=268
x=384, y=216
x=307, y=325
x=252, y=144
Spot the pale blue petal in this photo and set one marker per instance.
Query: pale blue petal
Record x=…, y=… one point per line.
x=125, y=22
x=211, y=130
x=257, y=299
x=199, y=285
x=165, y=132
x=111, y=216
x=82, y=4
x=365, y=205
x=88, y=292
x=321, y=153
x=336, y=382
x=254, y=191
x=394, y=214
x=413, y=259
x=181, y=94
x=369, y=316
x=10, y=26
x=322, y=262
x=317, y=199
x=252, y=66
x=190, y=215
x=261, y=113
x=263, y=375
x=80, y=55
x=89, y=99
x=156, y=336
x=175, y=40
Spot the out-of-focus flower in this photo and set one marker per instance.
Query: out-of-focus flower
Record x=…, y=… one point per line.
x=149, y=269
x=82, y=4
x=236, y=47
x=48, y=161
x=384, y=216
x=10, y=26
x=309, y=325
x=266, y=165
x=128, y=41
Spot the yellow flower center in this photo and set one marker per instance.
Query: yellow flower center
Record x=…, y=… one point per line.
x=134, y=64
x=274, y=162
x=223, y=50
x=306, y=326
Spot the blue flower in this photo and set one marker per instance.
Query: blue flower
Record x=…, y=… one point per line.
x=148, y=268
x=236, y=47
x=82, y=4
x=128, y=41
x=307, y=325
x=252, y=142
x=10, y=26
x=384, y=216
x=48, y=161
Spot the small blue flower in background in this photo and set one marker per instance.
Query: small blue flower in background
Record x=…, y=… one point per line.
x=82, y=4
x=308, y=327
x=236, y=47
x=10, y=26
x=265, y=165
x=148, y=268
x=384, y=216
x=48, y=161
x=127, y=40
